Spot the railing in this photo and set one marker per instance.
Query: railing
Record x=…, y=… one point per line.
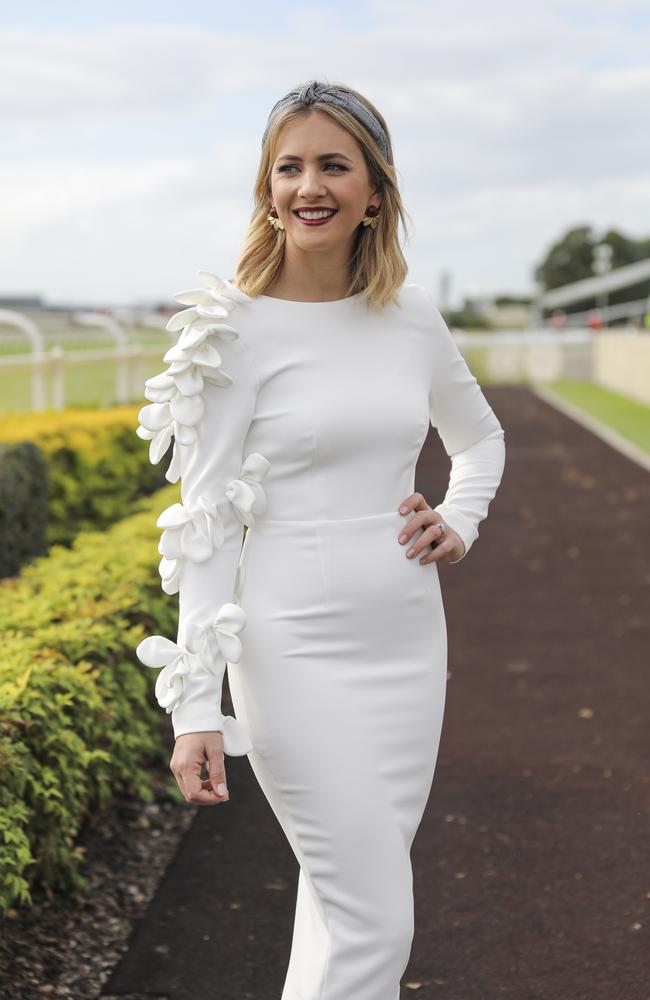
x=49, y=367
x=52, y=365
x=541, y=355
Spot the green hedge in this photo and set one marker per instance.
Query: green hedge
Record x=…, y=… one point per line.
x=96, y=465
x=23, y=505
x=79, y=722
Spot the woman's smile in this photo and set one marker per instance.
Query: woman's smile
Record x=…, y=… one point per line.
x=315, y=217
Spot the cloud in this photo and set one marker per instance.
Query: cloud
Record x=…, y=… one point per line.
x=504, y=121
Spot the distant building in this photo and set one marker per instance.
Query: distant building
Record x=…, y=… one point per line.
x=509, y=316
x=21, y=302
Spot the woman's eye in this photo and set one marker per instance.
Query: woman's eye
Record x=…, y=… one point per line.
x=290, y=166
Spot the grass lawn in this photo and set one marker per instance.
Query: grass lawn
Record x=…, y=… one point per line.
x=71, y=340
x=627, y=416
x=90, y=386
x=87, y=385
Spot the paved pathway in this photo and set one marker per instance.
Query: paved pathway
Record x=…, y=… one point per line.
x=532, y=863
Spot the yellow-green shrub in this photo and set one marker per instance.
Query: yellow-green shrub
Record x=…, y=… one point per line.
x=96, y=464
x=78, y=718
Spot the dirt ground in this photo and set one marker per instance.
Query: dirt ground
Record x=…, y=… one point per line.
x=532, y=863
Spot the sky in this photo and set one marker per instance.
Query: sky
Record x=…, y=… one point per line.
x=130, y=132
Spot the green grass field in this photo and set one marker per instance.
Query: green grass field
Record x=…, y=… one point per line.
x=627, y=416
x=75, y=341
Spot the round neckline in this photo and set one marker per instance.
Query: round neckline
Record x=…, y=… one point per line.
x=304, y=302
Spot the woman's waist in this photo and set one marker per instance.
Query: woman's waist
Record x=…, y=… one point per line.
x=378, y=521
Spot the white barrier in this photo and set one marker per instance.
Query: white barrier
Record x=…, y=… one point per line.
x=532, y=355
x=129, y=372
x=622, y=362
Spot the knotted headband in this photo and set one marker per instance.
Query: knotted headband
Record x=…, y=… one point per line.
x=317, y=91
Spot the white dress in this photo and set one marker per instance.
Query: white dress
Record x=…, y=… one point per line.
x=304, y=421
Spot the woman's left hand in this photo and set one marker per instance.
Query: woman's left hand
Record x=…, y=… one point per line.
x=448, y=547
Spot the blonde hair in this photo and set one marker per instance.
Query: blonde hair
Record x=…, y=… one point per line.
x=377, y=265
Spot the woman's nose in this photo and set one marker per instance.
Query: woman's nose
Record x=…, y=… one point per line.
x=310, y=182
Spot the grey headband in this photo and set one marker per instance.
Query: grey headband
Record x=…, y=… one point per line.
x=317, y=91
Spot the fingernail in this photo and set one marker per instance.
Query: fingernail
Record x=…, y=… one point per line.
x=221, y=789
x=403, y=510
x=402, y=538
x=410, y=553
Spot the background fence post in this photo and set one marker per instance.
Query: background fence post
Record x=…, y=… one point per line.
x=57, y=364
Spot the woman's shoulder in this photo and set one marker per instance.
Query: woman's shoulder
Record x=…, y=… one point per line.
x=420, y=302
x=415, y=294
x=214, y=309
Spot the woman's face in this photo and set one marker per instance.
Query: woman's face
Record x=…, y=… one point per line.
x=305, y=174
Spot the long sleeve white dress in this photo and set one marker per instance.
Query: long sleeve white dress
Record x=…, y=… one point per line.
x=303, y=422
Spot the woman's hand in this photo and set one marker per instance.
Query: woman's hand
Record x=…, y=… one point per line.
x=191, y=750
x=450, y=547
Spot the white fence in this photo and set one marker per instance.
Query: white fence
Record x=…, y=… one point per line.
x=621, y=362
x=49, y=368
x=537, y=356
x=617, y=359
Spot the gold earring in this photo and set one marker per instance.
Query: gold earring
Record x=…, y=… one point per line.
x=272, y=217
x=370, y=218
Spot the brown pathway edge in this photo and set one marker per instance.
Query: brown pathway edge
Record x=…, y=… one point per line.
x=531, y=869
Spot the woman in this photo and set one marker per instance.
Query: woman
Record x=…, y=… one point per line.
x=299, y=396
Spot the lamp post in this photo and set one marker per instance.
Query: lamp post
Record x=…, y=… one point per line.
x=602, y=264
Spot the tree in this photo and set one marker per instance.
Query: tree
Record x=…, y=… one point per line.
x=571, y=259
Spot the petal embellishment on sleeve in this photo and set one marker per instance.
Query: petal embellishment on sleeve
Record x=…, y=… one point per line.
x=174, y=516
x=196, y=544
x=207, y=648
x=187, y=410
x=236, y=739
x=191, y=534
x=158, y=425
x=155, y=416
x=203, y=326
x=174, y=412
x=255, y=467
x=157, y=651
x=246, y=494
x=221, y=287
x=195, y=297
x=187, y=379
x=206, y=355
x=230, y=621
x=173, y=473
x=181, y=319
x=170, y=575
x=242, y=497
x=184, y=434
x=176, y=402
x=160, y=388
x=160, y=443
x=169, y=687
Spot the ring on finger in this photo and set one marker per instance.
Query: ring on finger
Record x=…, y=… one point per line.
x=437, y=524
